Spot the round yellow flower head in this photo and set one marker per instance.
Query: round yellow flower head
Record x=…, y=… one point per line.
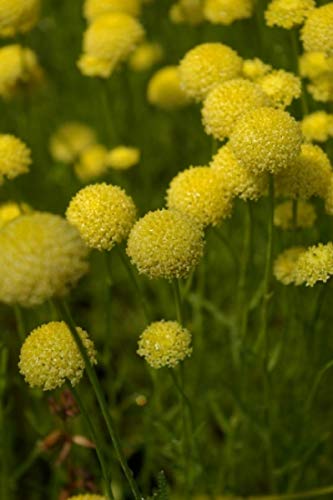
x=87, y=496
x=288, y=13
x=266, y=139
x=92, y=163
x=317, y=126
x=18, y=16
x=49, y=356
x=239, y=180
x=315, y=264
x=285, y=265
x=199, y=193
x=314, y=64
x=10, y=210
x=307, y=175
x=94, y=8
x=123, y=157
x=187, y=11
x=321, y=88
x=227, y=102
x=165, y=244
x=15, y=157
x=227, y=11
x=70, y=140
x=165, y=343
x=317, y=33
x=103, y=215
x=255, y=68
x=107, y=42
x=329, y=197
x=164, y=90
x=281, y=87
x=283, y=215
x=41, y=256
x=145, y=56
x=205, y=66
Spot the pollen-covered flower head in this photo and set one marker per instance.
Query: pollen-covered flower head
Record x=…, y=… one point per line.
x=227, y=102
x=164, y=90
x=288, y=13
x=49, y=356
x=239, y=181
x=187, y=12
x=315, y=264
x=205, y=66
x=145, y=56
x=314, y=64
x=15, y=157
x=94, y=8
x=255, y=68
x=284, y=268
x=282, y=87
x=266, y=139
x=41, y=256
x=107, y=42
x=227, y=11
x=70, y=140
x=103, y=215
x=18, y=16
x=165, y=244
x=92, y=162
x=199, y=193
x=123, y=157
x=321, y=88
x=283, y=215
x=317, y=126
x=317, y=33
x=10, y=210
x=164, y=343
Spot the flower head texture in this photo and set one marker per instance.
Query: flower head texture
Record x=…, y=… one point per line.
x=41, y=256
x=282, y=87
x=15, y=157
x=103, y=214
x=283, y=215
x=49, y=356
x=321, y=88
x=94, y=8
x=10, y=210
x=199, y=193
x=227, y=11
x=165, y=343
x=227, y=102
x=92, y=163
x=107, y=42
x=70, y=140
x=164, y=90
x=315, y=264
x=205, y=66
x=165, y=244
x=317, y=126
x=123, y=157
x=314, y=64
x=317, y=33
x=187, y=12
x=145, y=56
x=18, y=16
x=255, y=68
x=285, y=265
x=288, y=13
x=266, y=139
x=329, y=197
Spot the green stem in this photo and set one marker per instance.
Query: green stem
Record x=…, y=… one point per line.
x=19, y=322
x=295, y=50
x=294, y=213
x=178, y=300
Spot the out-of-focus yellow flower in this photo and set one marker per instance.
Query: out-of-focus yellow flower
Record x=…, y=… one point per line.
x=18, y=16
x=266, y=139
x=285, y=265
x=123, y=157
x=317, y=33
x=15, y=157
x=107, y=42
x=70, y=140
x=92, y=163
x=329, y=197
x=187, y=11
x=103, y=214
x=283, y=215
x=281, y=87
x=317, y=126
x=145, y=56
x=315, y=264
x=94, y=8
x=288, y=13
x=227, y=11
x=255, y=68
x=314, y=64
x=50, y=356
x=164, y=90
x=205, y=66
x=10, y=210
x=164, y=343
x=41, y=256
x=227, y=102
x=165, y=244
x=321, y=88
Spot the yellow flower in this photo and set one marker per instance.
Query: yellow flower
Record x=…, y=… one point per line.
x=107, y=42
x=187, y=11
x=123, y=157
x=321, y=88
x=92, y=163
x=227, y=11
x=165, y=343
x=49, y=356
x=255, y=68
x=285, y=265
x=103, y=215
x=227, y=102
x=10, y=210
x=94, y=8
x=288, y=13
x=164, y=89
x=199, y=193
x=18, y=16
x=317, y=33
x=165, y=244
x=205, y=66
x=283, y=215
x=145, y=56
x=41, y=256
x=266, y=139
x=314, y=64
x=281, y=87
x=315, y=264
x=15, y=157
x=70, y=140
x=317, y=126
x=329, y=197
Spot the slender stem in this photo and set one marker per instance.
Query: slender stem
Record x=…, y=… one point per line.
x=295, y=50
x=106, y=107
x=19, y=322
x=294, y=213
x=178, y=300
x=227, y=245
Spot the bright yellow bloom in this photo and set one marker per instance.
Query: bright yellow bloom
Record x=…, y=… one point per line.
x=266, y=139
x=70, y=140
x=283, y=215
x=18, y=16
x=199, y=193
x=92, y=163
x=94, y=8
x=281, y=87
x=145, y=56
x=164, y=343
x=187, y=11
x=165, y=244
x=164, y=89
x=103, y=215
x=285, y=265
x=317, y=33
x=321, y=88
x=15, y=157
x=123, y=157
x=227, y=102
x=49, y=356
x=314, y=64
x=288, y=13
x=255, y=68
x=315, y=264
x=205, y=66
x=227, y=11
x=10, y=210
x=317, y=126
x=107, y=42
x=41, y=256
